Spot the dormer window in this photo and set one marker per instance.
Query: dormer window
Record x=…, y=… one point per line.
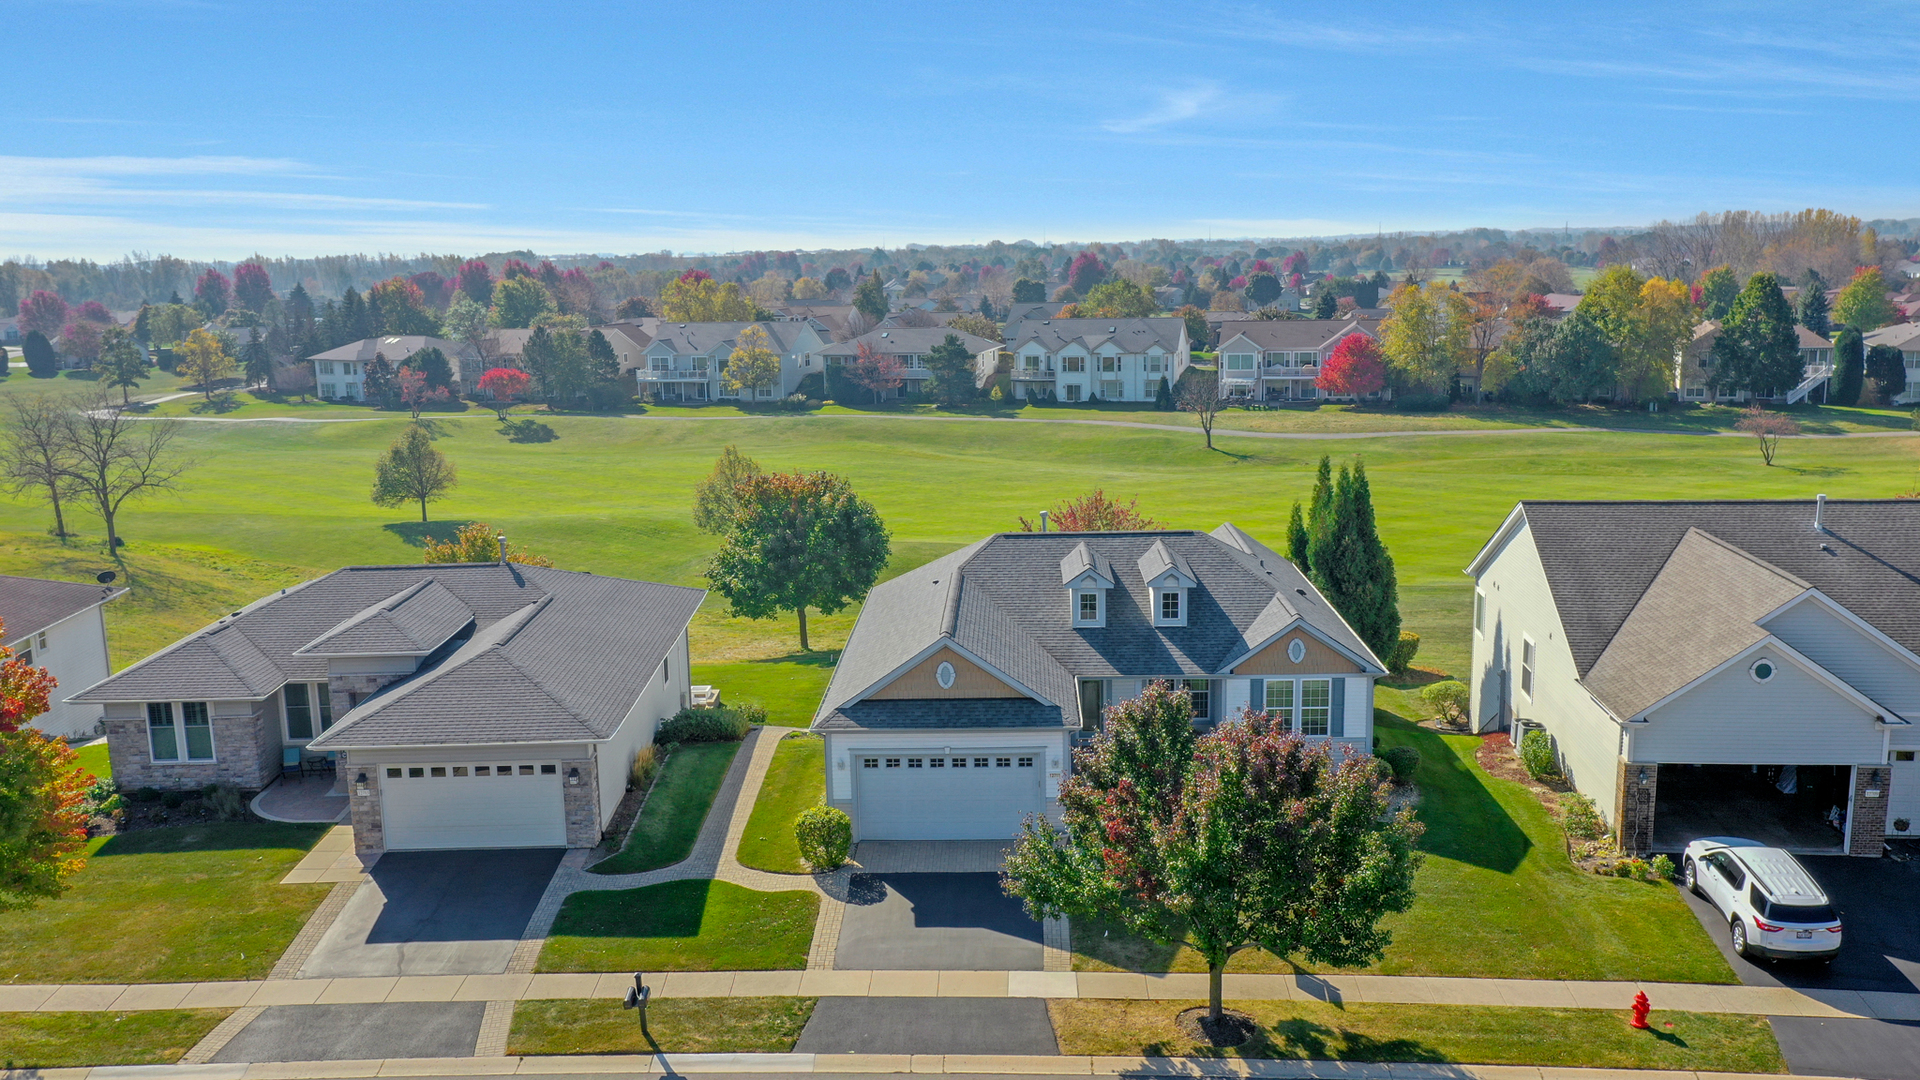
x=1170, y=609
x=1087, y=605
x=1087, y=577
x=1168, y=577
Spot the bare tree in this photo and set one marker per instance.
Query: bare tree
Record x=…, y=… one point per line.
x=34, y=456
x=1767, y=427
x=115, y=457
x=295, y=378
x=1200, y=395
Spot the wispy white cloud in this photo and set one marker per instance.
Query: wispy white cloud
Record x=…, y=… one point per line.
x=1175, y=105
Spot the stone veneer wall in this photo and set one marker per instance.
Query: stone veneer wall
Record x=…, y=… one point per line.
x=369, y=832
x=582, y=803
x=1633, y=813
x=246, y=754
x=1868, y=818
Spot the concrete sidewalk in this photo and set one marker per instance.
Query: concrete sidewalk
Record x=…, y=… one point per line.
x=1524, y=993
x=858, y=1064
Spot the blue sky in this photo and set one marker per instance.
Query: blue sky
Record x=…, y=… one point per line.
x=212, y=129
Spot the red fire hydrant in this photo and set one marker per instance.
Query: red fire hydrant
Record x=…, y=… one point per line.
x=1641, y=1007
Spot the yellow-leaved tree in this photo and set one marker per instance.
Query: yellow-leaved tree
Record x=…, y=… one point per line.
x=203, y=359
x=753, y=365
x=1428, y=336
x=704, y=300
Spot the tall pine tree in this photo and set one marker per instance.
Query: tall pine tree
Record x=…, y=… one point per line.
x=1758, y=349
x=1347, y=561
x=1297, y=538
x=1814, y=311
x=1849, y=366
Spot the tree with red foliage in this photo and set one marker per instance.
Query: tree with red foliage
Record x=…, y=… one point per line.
x=213, y=293
x=516, y=268
x=696, y=275
x=1354, y=368
x=574, y=294
x=507, y=385
x=43, y=794
x=81, y=340
x=252, y=288
x=476, y=280
x=436, y=289
x=93, y=311
x=875, y=371
x=1086, y=272
x=1294, y=264
x=416, y=391
x=1096, y=512
x=43, y=311
x=402, y=308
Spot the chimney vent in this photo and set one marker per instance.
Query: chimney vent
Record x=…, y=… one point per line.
x=502, y=538
x=1043, y=521
x=1819, y=509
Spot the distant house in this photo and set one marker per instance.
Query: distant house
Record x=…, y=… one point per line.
x=1279, y=359
x=1560, y=303
x=60, y=626
x=1694, y=374
x=910, y=345
x=1097, y=359
x=1019, y=313
x=1906, y=338
x=686, y=361
x=340, y=374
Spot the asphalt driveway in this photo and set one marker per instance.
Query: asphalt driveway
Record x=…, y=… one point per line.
x=844, y=1025
x=436, y=913
x=441, y=1029
x=941, y=922
x=1881, y=946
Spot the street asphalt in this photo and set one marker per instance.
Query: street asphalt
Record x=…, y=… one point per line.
x=436, y=913
x=414, y=1029
x=923, y=1025
x=947, y=922
x=1877, y=1049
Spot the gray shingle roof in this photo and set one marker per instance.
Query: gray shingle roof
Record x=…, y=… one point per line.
x=1001, y=600
x=30, y=605
x=1601, y=557
x=967, y=713
x=1131, y=335
x=414, y=621
x=1296, y=334
x=909, y=341
x=691, y=339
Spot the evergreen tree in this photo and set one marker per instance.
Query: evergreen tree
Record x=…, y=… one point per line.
x=952, y=368
x=1320, y=507
x=1718, y=290
x=1029, y=291
x=377, y=381
x=6, y=362
x=355, y=317
x=1163, y=396
x=432, y=363
x=1326, y=306
x=143, y=325
x=1758, y=350
x=603, y=371
x=38, y=351
x=870, y=298
x=1886, y=366
x=256, y=363
x=1351, y=567
x=1814, y=311
x=1849, y=366
x=1297, y=538
x=1578, y=362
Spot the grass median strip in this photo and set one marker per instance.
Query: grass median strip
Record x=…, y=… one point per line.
x=680, y=1025
x=696, y=925
x=1457, y=1034
x=681, y=797
x=796, y=779
x=67, y=1040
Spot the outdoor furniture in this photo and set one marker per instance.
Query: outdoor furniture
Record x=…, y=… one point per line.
x=290, y=761
x=705, y=697
x=317, y=763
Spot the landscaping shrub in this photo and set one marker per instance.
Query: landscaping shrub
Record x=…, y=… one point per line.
x=724, y=724
x=825, y=835
x=1421, y=402
x=173, y=800
x=1449, y=698
x=146, y=794
x=1403, y=760
x=1581, y=818
x=227, y=803
x=646, y=765
x=1662, y=868
x=1631, y=868
x=1402, y=657
x=1536, y=753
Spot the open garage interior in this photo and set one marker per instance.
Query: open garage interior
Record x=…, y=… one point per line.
x=1801, y=808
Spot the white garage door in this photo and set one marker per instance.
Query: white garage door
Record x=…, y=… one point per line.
x=916, y=795
x=432, y=807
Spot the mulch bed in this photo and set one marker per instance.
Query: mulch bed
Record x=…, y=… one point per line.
x=1232, y=1029
x=140, y=816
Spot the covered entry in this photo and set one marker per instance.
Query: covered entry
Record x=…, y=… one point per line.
x=945, y=794
x=1796, y=807
x=437, y=807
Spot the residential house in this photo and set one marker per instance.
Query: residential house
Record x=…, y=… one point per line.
x=1097, y=359
x=464, y=706
x=910, y=345
x=1017, y=314
x=1279, y=359
x=686, y=361
x=1694, y=372
x=1906, y=338
x=10, y=331
x=60, y=626
x=957, y=701
x=1217, y=325
x=1703, y=668
x=340, y=374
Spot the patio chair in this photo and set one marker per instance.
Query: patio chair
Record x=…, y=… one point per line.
x=290, y=762
x=317, y=763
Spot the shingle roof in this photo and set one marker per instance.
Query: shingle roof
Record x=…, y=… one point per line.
x=909, y=340
x=1601, y=557
x=30, y=605
x=1302, y=334
x=1701, y=610
x=965, y=713
x=1899, y=335
x=1001, y=600
x=1131, y=335
x=554, y=654
x=690, y=339
x=414, y=621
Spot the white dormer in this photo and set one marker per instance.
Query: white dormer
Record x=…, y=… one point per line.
x=1086, y=577
x=1169, y=580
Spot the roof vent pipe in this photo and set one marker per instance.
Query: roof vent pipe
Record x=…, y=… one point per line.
x=1819, y=508
x=1043, y=521
x=502, y=538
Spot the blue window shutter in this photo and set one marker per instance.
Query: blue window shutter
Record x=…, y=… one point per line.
x=1257, y=696
x=1337, y=721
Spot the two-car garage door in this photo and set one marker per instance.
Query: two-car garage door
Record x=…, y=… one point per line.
x=433, y=807
x=945, y=795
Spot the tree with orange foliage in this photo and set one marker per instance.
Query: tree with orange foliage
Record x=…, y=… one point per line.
x=1096, y=512
x=476, y=542
x=43, y=795
x=1354, y=368
x=507, y=385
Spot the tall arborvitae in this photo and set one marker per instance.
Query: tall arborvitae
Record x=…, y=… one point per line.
x=1320, y=510
x=1297, y=538
x=1813, y=311
x=1849, y=367
x=1348, y=563
x=356, y=317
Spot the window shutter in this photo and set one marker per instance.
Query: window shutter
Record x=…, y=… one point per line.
x=1257, y=695
x=1337, y=714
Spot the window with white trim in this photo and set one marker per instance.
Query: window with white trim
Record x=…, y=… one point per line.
x=1479, y=612
x=1239, y=361
x=1200, y=692
x=1070, y=392
x=1527, y=657
x=1110, y=364
x=1089, y=607
x=1316, y=706
x=1280, y=701
x=182, y=733
x=1073, y=363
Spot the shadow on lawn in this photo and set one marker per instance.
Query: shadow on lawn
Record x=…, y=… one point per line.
x=674, y=909
x=1464, y=821
x=417, y=533
x=217, y=836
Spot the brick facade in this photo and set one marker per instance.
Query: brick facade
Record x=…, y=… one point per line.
x=1868, y=817
x=246, y=754
x=1633, y=812
x=582, y=803
x=369, y=832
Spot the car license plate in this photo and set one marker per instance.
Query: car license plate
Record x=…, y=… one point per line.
x=1804, y=935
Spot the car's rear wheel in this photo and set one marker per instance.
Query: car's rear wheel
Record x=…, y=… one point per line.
x=1692, y=876
x=1739, y=938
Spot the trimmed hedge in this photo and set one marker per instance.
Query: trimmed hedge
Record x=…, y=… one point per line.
x=1403, y=760
x=727, y=723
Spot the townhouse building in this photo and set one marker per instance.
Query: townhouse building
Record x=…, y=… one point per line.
x=1097, y=359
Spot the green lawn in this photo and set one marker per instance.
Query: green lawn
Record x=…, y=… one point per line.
x=1477, y=1035
x=679, y=1026
x=1495, y=862
x=795, y=780
x=789, y=687
x=168, y=905
x=75, y=1039
x=682, y=926
x=681, y=797
x=93, y=759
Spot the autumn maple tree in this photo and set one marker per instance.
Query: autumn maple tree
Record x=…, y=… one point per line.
x=1355, y=368
x=798, y=541
x=1096, y=511
x=417, y=391
x=43, y=793
x=875, y=371
x=507, y=385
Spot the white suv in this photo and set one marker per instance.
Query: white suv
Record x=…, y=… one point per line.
x=1774, y=908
